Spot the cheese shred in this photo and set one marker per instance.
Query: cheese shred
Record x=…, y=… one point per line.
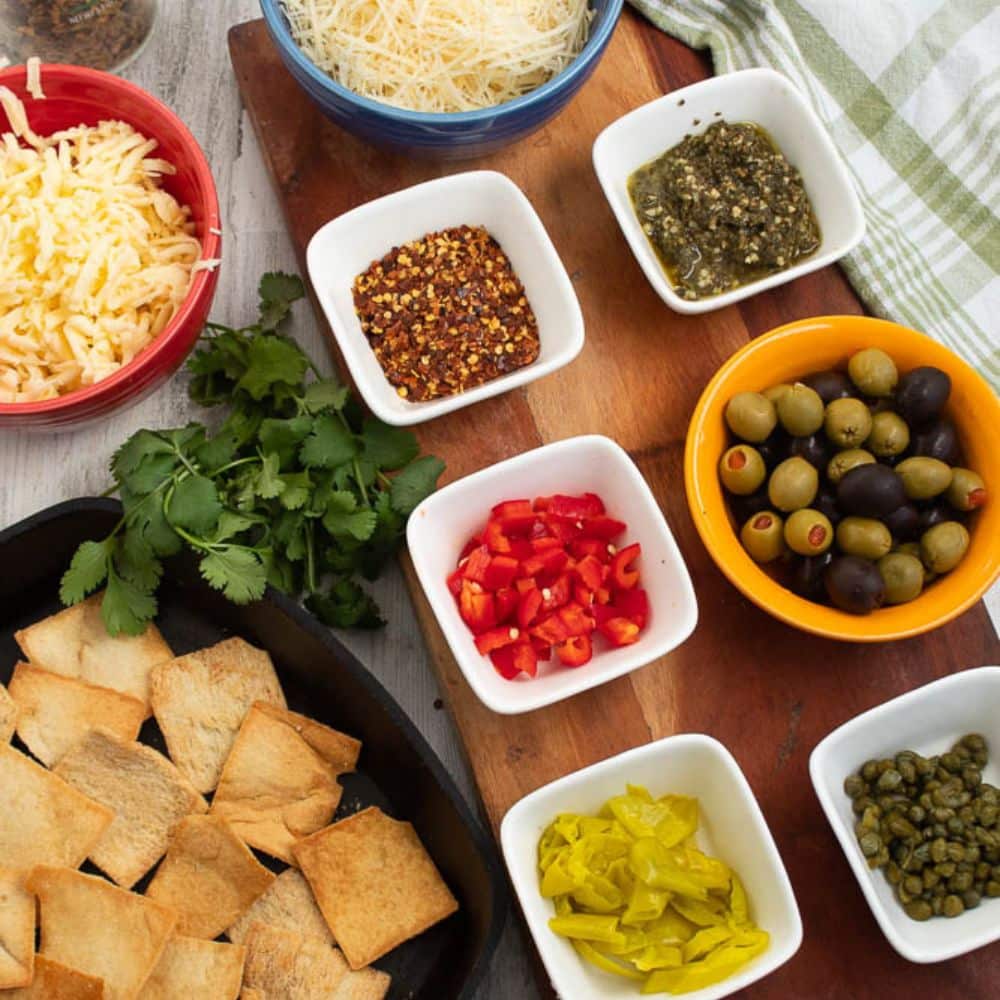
x=440, y=55
x=95, y=257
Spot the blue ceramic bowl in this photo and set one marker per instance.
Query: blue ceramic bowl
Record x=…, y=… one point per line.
x=445, y=136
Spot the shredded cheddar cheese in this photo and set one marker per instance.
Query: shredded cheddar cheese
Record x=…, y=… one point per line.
x=95, y=256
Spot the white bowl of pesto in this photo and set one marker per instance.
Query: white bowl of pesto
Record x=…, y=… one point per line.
x=738, y=260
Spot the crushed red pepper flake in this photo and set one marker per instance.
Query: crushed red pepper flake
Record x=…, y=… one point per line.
x=446, y=313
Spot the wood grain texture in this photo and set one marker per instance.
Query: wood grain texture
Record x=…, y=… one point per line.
x=767, y=691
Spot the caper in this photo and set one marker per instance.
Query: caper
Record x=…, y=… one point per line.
x=924, y=478
x=864, y=537
x=800, y=410
x=751, y=416
x=943, y=546
x=903, y=576
x=953, y=906
x=848, y=422
x=854, y=786
x=967, y=491
x=763, y=537
x=919, y=909
x=889, y=435
x=742, y=470
x=793, y=484
x=873, y=372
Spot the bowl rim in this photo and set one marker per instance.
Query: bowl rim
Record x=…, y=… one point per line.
x=695, y=493
x=211, y=243
x=638, y=655
x=819, y=767
x=278, y=26
x=513, y=849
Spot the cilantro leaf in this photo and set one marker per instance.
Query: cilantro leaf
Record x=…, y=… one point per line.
x=195, y=505
x=238, y=572
x=141, y=445
x=298, y=487
x=330, y=444
x=125, y=607
x=231, y=523
x=277, y=293
x=151, y=473
x=325, y=394
x=417, y=481
x=156, y=529
x=359, y=525
x=388, y=447
x=136, y=562
x=345, y=606
x=269, y=484
x=283, y=436
x=272, y=360
x=217, y=451
x=87, y=571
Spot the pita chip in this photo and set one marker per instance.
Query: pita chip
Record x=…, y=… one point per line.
x=45, y=820
x=55, y=712
x=374, y=882
x=365, y=984
x=101, y=930
x=75, y=643
x=288, y=904
x=54, y=981
x=17, y=930
x=8, y=715
x=209, y=875
x=193, y=969
x=147, y=793
x=249, y=993
x=279, y=783
x=200, y=701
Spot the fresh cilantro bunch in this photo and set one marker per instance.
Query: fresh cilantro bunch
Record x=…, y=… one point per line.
x=297, y=488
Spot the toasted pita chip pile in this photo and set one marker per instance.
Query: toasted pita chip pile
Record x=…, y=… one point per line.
x=209, y=875
x=374, y=882
x=279, y=783
x=75, y=642
x=200, y=701
x=17, y=930
x=193, y=969
x=54, y=981
x=96, y=928
x=147, y=793
x=282, y=964
x=289, y=904
x=43, y=819
x=55, y=712
x=8, y=715
x=249, y=993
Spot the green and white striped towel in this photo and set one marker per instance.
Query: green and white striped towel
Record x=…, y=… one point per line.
x=910, y=93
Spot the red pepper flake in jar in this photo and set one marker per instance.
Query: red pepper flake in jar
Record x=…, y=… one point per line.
x=446, y=313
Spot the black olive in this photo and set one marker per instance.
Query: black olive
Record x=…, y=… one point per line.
x=806, y=578
x=940, y=441
x=922, y=394
x=743, y=508
x=903, y=522
x=825, y=502
x=815, y=449
x=870, y=491
x=854, y=585
x=831, y=385
x=774, y=449
x=879, y=404
x=936, y=512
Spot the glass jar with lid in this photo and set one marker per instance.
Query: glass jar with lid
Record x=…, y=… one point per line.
x=103, y=34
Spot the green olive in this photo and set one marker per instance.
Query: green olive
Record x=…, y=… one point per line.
x=800, y=410
x=943, y=546
x=873, y=372
x=844, y=461
x=808, y=532
x=924, y=477
x=967, y=490
x=751, y=416
x=848, y=422
x=742, y=470
x=793, y=484
x=903, y=576
x=864, y=537
x=889, y=435
x=762, y=536
x=908, y=549
x=775, y=392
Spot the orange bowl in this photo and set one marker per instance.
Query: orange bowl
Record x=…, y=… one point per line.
x=812, y=345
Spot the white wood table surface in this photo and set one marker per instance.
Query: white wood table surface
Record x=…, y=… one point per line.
x=186, y=64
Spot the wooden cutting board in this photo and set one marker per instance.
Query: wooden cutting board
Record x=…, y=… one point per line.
x=768, y=692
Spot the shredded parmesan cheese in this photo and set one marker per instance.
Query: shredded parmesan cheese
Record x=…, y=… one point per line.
x=440, y=55
x=95, y=257
x=34, y=82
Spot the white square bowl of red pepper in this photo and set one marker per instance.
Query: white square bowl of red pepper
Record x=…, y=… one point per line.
x=552, y=573
x=348, y=246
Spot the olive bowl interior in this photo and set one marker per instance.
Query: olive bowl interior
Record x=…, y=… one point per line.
x=794, y=351
x=398, y=770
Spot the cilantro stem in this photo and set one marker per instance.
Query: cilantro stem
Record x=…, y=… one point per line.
x=311, y=582
x=233, y=465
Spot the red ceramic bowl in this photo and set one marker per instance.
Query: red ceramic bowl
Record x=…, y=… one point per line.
x=78, y=96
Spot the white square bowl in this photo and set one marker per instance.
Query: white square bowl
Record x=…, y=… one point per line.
x=347, y=245
x=731, y=827
x=766, y=98
x=928, y=720
x=439, y=528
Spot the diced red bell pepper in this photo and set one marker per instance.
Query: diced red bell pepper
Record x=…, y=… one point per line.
x=455, y=578
x=634, y=605
x=500, y=572
x=543, y=649
x=604, y=612
x=602, y=595
x=529, y=606
x=525, y=583
x=603, y=527
x=478, y=609
x=517, y=658
x=587, y=505
x=619, y=631
x=583, y=596
x=623, y=575
x=577, y=620
x=520, y=549
x=551, y=630
x=511, y=508
x=557, y=593
x=496, y=638
x=583, y=547
x=503, y=662
x=476, y=564
x=564, y=528
x=539, y=529
x=590, y=570
x=495, y=539
x=575, y=651
x=545, y=543
x=473, y=543
x=506, y=600
x=548, y=563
